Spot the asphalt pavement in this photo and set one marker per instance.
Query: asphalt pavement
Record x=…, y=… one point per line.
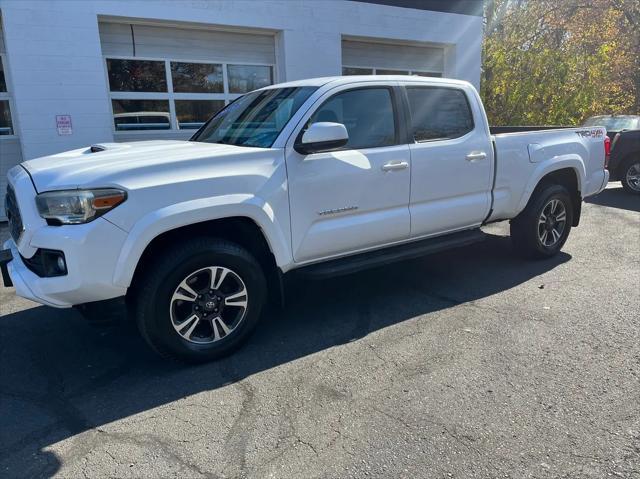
x=468, y=364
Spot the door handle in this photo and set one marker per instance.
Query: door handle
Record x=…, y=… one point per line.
x=476, y=155
x=395, y=165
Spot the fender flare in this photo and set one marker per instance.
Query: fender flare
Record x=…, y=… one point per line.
x=160, y=221
x=572, y=161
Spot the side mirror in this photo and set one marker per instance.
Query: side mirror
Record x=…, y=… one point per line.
x=322, y=136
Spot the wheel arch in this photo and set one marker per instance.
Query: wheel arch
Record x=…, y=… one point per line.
x=245, y=220
x=239, y=229
x=568, y=176
x=629, y=157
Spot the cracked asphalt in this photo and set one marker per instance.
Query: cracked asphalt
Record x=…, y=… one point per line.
x=469, y=364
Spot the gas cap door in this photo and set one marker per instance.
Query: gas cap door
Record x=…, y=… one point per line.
x=536, y=152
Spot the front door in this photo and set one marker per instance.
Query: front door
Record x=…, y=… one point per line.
x=357, y=197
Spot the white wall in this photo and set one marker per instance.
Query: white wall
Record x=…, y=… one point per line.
x=54, y=55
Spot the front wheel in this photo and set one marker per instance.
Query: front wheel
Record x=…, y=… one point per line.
x=631, y=176
x=200, y=300
x=543, y=227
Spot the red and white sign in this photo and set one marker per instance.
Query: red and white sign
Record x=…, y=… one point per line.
x=63, y=123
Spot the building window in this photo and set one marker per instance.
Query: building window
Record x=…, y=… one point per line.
x=381, y=71
x=6, y=126
x=136, y=75
x=162, y=94
x=197, y=77
x=245, y=78
x=346, y=71
x=137, y=115
x=191, y=114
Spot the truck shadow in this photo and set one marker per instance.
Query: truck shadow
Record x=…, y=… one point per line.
x=60, y=376
x=616, y=198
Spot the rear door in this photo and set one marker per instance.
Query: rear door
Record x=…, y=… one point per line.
x=357, y=197
x=451, y=160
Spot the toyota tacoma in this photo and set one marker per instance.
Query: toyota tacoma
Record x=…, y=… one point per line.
x=318, y=177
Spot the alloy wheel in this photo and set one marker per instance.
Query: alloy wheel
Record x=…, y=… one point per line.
x=552, y=223
x=208, y=305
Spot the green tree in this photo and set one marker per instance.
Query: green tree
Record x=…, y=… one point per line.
x=560, y=61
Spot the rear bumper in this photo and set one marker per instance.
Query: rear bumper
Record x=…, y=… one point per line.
x=614, y=173
x=605, y=180
x=596, y=183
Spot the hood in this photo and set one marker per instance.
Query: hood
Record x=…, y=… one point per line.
x=108, y=164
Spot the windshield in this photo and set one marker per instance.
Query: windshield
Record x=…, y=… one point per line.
x=255, y=119
x=614, y=123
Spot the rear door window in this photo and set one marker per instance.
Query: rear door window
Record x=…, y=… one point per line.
x=438, y=113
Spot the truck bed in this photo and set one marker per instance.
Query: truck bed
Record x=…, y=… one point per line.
x=522, y=157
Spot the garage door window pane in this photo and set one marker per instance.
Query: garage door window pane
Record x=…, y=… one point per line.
x=192, y=114
x=439, y=113
x=427, y=74
x=3, y=83
x=382, y=71
x=367, y=114
x=245, y=78
x=141, y=115
x=6, y=127
x=136, y=75
x=356, y=71
x=196, y=78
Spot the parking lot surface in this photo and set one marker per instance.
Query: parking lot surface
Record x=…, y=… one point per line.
x=467, y=364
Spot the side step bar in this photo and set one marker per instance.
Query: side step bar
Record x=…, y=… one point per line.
x=359, y=262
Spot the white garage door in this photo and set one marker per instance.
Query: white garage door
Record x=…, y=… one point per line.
x=373, y=58
x=165, y=82
x=10, y=152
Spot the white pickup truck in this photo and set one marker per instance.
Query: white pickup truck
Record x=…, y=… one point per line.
x=322, y=177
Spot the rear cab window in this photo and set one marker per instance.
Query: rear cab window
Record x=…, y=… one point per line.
x=438, y=113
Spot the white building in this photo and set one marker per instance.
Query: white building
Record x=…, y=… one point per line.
x=74, y=73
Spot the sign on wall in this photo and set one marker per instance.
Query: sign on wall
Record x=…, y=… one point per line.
x=63, y=123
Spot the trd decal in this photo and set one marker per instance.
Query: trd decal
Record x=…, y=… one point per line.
x=598, y=133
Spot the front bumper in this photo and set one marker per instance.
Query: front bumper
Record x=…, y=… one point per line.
x=5, y=259
x=17, y=275
x=91, y=253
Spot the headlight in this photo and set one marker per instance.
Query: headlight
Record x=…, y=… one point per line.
x=77, y=206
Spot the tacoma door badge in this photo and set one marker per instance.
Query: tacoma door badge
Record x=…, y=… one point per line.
x=337, y=210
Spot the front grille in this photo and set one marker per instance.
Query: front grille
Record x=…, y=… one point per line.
x=13, y=214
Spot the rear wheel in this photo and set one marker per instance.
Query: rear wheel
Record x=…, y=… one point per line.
x=631, y=176
x=543, y=227
x=201, y=301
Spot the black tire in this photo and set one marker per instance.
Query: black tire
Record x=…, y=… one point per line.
x=157, y=285
x=631, y=163
x=525, y=227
